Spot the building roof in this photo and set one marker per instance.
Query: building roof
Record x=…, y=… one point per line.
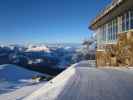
x=106, y=11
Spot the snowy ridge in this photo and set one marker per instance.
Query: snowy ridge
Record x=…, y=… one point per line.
x=38, y=48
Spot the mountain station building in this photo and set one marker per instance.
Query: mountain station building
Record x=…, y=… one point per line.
x=113, y=27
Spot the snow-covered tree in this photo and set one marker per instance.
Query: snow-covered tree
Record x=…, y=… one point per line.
x=87, y=51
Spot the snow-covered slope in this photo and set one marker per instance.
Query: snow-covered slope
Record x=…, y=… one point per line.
x=15, y=73
x=26, y=91
x=13, y=77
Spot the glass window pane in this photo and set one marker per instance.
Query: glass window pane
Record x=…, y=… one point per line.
x=109, y=31
x=116, y=28
x=131, y=19
x=123, y=23
x=104, y=32
x=114, y=32
x=127, y=21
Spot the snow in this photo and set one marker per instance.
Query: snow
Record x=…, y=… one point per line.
x=13, y=77
x=18, y=94
x=14, y=73
x=46, y=92
x=53, y=88
x=43, y=90
x=16, y=82
x=38, y=48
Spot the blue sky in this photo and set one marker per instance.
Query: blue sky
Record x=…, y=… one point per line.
x=50, y=21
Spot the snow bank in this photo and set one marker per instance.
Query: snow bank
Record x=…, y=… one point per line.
x=54, y=87
x=58, y=82
x=20, y=93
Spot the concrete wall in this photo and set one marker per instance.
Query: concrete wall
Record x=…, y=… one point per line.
x=119, y=54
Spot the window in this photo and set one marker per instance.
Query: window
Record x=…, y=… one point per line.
x=127, y=21
x=109, y=30
x=99, y=35
x=104, y=33
x=123, y=23
x=119, y=26
x=115, y=29
x=131, y=20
